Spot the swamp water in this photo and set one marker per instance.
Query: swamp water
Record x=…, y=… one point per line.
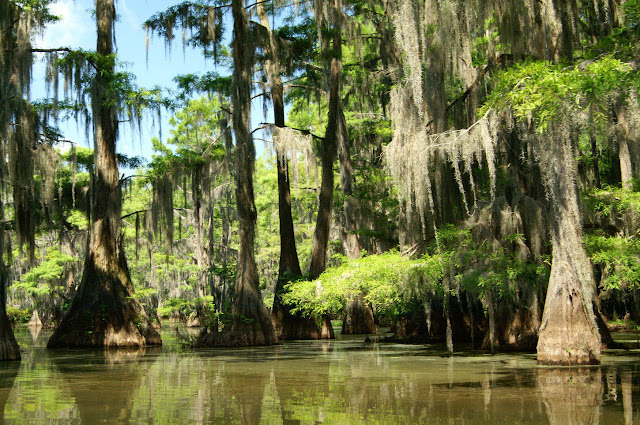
x=331, y=382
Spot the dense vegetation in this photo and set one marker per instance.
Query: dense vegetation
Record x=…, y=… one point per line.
x=461, y=171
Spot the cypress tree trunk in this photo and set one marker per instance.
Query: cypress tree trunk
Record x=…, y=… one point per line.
x=197, y=316
x=328, y=153
x=104, y=312
x=9, y=349
x=568, y=333
x=350, y=240
x=287, y=325
x=626, y=166
x=323, y=221
x=358, y=318
x=251, y=324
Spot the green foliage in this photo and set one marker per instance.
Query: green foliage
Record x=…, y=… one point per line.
x=205, y=305
x=226, y=273
x=37, y=8
x=387, y=281
x=210, y=82
x=45, y=278
x=200, y=19
x=619, y=258
x=392, y=283
x=543, y=89
x=632, y=13
x=175, y=305
x=194, y=140
x=142, y=293
x=610, y=201
x=18, y=315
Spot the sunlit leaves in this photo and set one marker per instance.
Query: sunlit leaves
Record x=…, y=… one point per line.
x=46, y=277
x=539, y=90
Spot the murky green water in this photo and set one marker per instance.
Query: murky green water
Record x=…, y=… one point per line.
x=331, y=382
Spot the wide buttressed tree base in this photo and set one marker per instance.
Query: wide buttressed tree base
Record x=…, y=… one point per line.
x=294, y=326
x=9, y=349
x=250, y=324
x=359, y=318
x=569, y=333
x=105, y=312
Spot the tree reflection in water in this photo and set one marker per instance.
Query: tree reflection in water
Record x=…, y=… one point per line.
x=8, y=374
x=572, y=396
x=105, y=388
x=627, y=401
x=310, y=382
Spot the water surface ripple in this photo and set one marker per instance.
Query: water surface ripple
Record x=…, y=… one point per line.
x=310, y=382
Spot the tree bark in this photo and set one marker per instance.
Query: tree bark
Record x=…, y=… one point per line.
x=9, y=349
x=287, y=326
x=328, y=153
x=358, y=318
x=626, y=166
x=568, y=333
x=595, y=158
x=104, y=312
x=251, y=324
x=350, y=241
x=197, y=316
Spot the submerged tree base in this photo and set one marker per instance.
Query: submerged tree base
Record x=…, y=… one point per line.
x=359, y=318
x=9, y=349
x=290, y=327
x=105, y=313
x=241, y=333
x=428, y=325
x=516, y=328
x=327, y=328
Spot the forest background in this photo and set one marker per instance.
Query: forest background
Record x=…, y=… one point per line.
x=465, y=172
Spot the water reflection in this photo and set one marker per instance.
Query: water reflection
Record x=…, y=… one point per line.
x=343, y=381
x=627, y=401
x=8, y=374
x=103, y=384
x=35, y=333
x=571, y=396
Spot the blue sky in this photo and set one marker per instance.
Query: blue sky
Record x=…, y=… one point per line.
x=76, y=29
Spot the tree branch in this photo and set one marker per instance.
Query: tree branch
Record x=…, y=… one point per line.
x=255, y=4
x=467, y=92
x=59, y=49
x=133, y=213
x=305, y=132
x=470, y=88
x=302, y=86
